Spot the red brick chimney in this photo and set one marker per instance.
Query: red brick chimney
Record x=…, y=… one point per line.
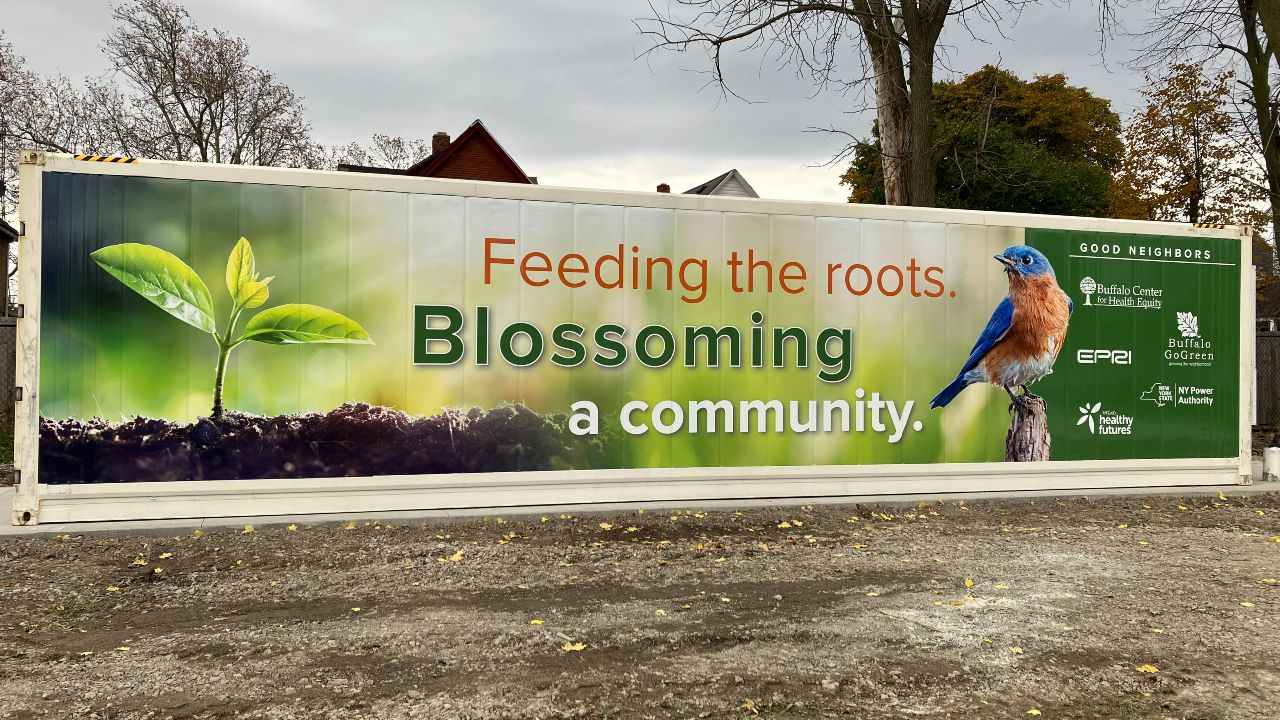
x=439, y=142
x=664, y=188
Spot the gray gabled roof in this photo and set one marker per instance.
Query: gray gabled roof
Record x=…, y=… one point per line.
x=714, y=184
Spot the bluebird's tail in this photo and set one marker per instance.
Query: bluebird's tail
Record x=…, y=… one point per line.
x=950, y=392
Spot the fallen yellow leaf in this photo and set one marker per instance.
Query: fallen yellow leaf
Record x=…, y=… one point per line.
x=122, y=648
x=113, y=588
x=248, y=529
x=292, y=528
x=659, y=612
x=873, y=593
x=356, y=609
x=1122, y=526
x=166, y=556
x=1033, y=711
x=1000, y=587
x=784, y=524
x=606, y=526
x=1222, y=495
x=573, y=647
x=197, y=534
x=1246, y=603
x=1148, y=668
x=1158, y=631
x=349, y=526
x=535, y=621
x=1015, y=650
x=968, y=582
x=139, y=561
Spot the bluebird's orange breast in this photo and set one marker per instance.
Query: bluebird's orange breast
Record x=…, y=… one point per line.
x=1036, y=333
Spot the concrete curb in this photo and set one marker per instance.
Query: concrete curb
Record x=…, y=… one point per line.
x=164, y=527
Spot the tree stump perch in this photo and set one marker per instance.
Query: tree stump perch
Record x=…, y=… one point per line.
x=1028, y=438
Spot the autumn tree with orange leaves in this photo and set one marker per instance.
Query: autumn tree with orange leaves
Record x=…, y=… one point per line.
x=1184, y=157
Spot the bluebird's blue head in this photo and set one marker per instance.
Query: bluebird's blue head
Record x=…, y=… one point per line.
x=1025, y=261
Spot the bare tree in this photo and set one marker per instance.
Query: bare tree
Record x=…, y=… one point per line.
x=382, y=151
x=1227, y=33
x=895, y=43
x=196, y=96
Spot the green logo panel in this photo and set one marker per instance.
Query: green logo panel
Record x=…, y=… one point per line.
x=1150, y=368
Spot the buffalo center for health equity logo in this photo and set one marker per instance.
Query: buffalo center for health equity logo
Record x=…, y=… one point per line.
x=1186, y=347
x=1122, y=295
x=1104, y=422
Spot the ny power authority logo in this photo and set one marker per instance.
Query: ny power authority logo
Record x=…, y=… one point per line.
x=1104, y=422
x=1163, y=394
x=1186, y=348
x=1120, y=295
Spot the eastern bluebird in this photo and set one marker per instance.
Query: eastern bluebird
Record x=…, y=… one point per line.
x=1025, y=333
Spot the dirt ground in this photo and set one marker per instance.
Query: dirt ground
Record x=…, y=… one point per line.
x=1073, y=608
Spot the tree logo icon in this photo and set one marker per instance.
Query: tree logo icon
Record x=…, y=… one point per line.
x=1088, y=287
x=1188, y=325
x=1087, y=414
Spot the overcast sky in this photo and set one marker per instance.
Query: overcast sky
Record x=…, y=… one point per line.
x=559, y=85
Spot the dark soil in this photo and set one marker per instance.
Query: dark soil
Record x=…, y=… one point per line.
x=353, y=440
x=1074, y=608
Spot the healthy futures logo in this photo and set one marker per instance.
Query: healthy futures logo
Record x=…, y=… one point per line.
x=1104, y=422
x=1087, y=414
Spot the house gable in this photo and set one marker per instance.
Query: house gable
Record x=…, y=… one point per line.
x=731, y=183
x=474, y=155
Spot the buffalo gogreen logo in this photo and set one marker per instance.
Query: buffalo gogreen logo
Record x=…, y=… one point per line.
x=1188, y=325
x=1088, y=287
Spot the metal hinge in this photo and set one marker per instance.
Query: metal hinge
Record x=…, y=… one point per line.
x=19, y=310
x=17, y=393
x=22, y=229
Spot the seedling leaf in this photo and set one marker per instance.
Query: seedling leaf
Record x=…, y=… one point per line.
x=240, y=268
x=298, y=323
x=162, y=278
x=254, y=293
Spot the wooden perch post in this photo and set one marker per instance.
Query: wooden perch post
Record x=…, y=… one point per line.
x=1028, y=438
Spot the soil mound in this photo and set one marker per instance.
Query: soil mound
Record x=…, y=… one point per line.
x=352, y=440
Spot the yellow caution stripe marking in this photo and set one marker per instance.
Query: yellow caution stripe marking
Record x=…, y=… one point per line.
x=1214, y=226
x=107, y=158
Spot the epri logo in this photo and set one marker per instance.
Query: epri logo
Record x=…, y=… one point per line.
x=1188, y=325
x=1088, y=287
x=1104, y=422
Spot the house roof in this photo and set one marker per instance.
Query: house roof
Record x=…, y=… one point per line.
x=7, y=232
x=475, y=133
x=348, y=167
x=711, y=186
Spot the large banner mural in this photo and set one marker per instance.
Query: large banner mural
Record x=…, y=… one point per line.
x=196, y=330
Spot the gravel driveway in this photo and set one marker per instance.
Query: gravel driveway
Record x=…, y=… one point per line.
x=1073, y=608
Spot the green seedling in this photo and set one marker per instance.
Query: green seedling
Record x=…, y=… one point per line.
x=172, y=286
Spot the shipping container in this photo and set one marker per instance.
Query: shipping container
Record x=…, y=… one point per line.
x=205, y=340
